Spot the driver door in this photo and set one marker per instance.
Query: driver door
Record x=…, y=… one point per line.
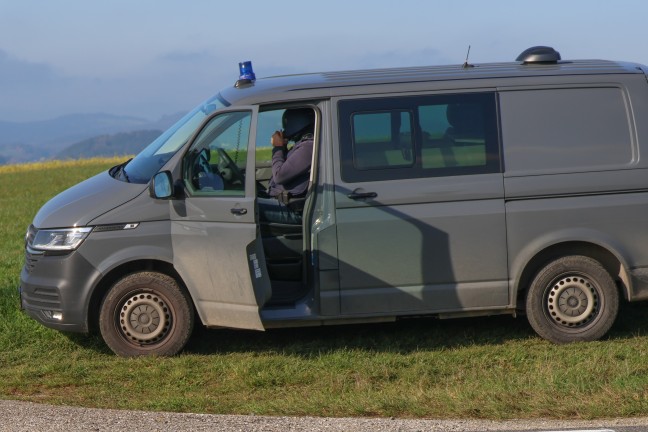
x=216, y=246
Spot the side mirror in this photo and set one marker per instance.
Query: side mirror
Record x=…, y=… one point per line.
x=161, y=186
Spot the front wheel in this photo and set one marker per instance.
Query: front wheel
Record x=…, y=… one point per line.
x=572, y=299
x=146, y=313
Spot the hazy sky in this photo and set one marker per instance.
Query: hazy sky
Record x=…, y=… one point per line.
x=153, y=57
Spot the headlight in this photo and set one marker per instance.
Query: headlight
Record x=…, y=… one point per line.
x=59, y=239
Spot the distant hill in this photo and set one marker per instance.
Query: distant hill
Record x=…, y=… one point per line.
x=38, y=140
x=16, y=153
x=125, y=143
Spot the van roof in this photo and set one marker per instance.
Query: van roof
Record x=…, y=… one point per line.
x=326, y=84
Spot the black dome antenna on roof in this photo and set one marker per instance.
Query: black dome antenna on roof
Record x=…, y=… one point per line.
x=539, y=55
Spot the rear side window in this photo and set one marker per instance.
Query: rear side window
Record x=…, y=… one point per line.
x=565, y=130
x=382, y=139
x=422, y=136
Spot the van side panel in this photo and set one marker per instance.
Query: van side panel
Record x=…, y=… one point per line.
x=423, y=254
x=574, y=173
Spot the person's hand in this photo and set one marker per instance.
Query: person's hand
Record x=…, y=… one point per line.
x=278, y=139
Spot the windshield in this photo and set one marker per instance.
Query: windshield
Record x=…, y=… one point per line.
x=148, y=162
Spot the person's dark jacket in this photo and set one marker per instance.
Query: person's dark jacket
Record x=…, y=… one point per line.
x=291, y=170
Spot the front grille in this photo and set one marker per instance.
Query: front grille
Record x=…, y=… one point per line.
x=31, y=259
x=31, y=256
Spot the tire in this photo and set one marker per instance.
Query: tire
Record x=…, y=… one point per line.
x=572, y=299
x=146, y=313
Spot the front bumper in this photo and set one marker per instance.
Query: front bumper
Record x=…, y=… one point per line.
x=55, y=289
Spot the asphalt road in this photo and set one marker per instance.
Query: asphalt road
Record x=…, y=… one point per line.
x=25, y=416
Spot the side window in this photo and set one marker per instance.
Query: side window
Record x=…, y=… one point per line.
x=453, y=135
x=382, y=140
x=421, y=136
x=215, y=162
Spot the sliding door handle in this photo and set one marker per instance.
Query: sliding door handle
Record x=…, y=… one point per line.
x=362, y=195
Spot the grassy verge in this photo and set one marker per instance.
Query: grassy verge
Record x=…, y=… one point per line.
x=480, y=368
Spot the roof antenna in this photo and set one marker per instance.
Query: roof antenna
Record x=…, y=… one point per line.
x=466, y=65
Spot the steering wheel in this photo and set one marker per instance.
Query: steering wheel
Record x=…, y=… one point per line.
x=204, y=176
x=228, y=164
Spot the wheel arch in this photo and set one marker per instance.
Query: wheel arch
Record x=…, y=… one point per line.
x=611, y=261
x=110, y=278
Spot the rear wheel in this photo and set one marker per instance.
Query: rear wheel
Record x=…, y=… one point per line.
x=572, y=299
x=146, y=313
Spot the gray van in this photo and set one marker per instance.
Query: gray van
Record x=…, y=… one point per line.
x=449, y=191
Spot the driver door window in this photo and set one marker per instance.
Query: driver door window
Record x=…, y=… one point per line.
x=215, y=163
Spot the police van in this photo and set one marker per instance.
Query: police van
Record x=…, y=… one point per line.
x=449, y=191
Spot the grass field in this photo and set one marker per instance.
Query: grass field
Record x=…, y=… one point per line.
x=478, y=368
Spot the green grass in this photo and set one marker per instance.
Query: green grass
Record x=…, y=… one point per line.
x=477, y=368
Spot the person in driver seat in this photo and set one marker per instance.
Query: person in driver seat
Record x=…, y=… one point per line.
x=290, y=168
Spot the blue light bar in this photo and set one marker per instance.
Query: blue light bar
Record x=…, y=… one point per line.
x=246, y=72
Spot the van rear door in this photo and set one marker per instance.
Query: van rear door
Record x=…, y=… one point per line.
x=216, y=246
